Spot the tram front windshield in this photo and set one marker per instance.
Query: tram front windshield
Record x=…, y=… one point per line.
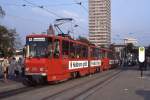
x=39, y=48
x=37, y=51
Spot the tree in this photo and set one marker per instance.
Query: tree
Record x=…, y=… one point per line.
x=83, y=39
x=129, y=48
x=148, y=51
x=2, y=12
x=112, y=47
x=8, y=40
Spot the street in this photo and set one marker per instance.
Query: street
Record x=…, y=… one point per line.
x=116, y=84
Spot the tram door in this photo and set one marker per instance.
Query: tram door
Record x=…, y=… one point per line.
x=56, y=62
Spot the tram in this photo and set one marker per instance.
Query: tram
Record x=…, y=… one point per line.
x=51, y=58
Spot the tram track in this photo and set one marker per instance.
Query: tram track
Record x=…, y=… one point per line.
x=7, y=94
x=89, y=91
x=55, y=95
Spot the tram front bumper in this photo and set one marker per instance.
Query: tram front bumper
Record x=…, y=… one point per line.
x=36, y=74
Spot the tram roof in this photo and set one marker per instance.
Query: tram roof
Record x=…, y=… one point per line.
x=56, y=37
x=105, y=49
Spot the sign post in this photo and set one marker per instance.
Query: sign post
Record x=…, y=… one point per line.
x=141, y=58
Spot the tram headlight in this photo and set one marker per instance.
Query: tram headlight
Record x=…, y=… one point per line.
x=41, y=69
x=27, y=69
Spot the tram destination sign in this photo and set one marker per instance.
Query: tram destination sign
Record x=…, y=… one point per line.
x=36, y=39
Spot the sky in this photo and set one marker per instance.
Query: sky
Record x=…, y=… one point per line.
x=130, y=18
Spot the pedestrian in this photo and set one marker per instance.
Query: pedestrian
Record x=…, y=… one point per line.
x=23, y=68
x=21, y=64
x=24, y=51
x=145, y=63
x=16, y=68
x=143, y=66
x=12, y=68
x=5, y=65
x=120, y=62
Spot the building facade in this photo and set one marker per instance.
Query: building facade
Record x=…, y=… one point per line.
x=130, y=40
x=100, y=22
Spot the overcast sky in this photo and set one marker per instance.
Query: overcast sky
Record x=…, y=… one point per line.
x=130, y=18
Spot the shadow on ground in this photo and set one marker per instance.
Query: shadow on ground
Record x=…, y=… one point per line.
x=144, y=93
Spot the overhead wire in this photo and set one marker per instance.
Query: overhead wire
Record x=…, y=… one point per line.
x=42, y=7
x=47, y=5
x=81, y=4
x=19, y=5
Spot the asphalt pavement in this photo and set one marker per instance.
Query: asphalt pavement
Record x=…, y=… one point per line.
x=127, y=85
x=10, y=85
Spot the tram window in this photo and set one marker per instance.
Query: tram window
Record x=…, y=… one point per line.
x=95, y=53
x=65, y=49
x=111, y=55
x=84, y=52
x=24, y=51
x=72, y=50
x=50, y=48
x=99, y=53
x=103, y=54
x=106, y=54
x=92, y=52
x=81, y=51
x=78, y=51
x=56, y=48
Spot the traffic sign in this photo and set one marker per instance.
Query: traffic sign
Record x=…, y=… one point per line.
x=141, y=54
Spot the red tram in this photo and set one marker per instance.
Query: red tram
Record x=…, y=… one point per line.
x=58, y=58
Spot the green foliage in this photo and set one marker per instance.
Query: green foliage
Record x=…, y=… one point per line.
x=2, y=12
x=148, y=51
x=83, y=39
x=8, y=40
x=130, y=48
x=112, y=47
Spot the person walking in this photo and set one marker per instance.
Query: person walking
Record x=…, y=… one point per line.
x=16, y=68
x=12, y=68
x=21, y=65
x=5, y=65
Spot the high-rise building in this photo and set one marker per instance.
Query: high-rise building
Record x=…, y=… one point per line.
x=100, y=22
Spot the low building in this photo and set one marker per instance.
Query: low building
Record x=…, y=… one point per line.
x=119, y=49
x=130, y=40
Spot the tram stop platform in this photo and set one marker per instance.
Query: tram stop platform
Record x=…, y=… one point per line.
x=9, y=85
